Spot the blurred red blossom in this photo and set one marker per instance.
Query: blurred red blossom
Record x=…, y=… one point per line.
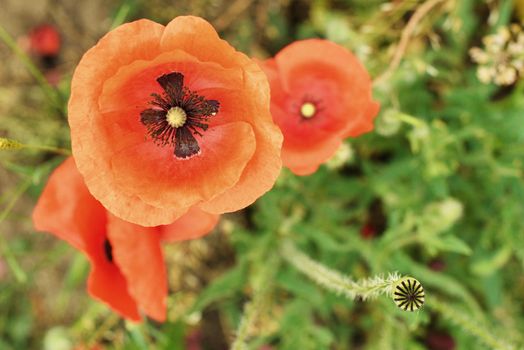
x=44, y=40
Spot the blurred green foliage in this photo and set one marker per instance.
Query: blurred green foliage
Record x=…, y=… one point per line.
x=435, y=192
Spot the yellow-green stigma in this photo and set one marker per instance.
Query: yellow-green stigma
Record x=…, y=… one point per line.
x=176, y=117
x=308, y=110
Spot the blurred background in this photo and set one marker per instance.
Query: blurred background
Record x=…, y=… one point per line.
x=435, y=191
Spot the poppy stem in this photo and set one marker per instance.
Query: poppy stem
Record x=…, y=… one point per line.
x=334, y=281
x=9, y=144
x=461, y=318
x=255, y=307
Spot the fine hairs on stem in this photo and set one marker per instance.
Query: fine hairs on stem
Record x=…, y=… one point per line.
x=255, y=307
x=368, y=288
x=483, y=333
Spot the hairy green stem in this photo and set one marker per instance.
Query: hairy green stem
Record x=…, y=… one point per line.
x=460, y=318
x=255, y=307
x=366, y=289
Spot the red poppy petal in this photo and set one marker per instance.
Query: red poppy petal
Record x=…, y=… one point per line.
x=195, y=35
x=194, y=224
x=365, y=123
x=107, y=284
x=160, y=179
x=325, y=56
x=137, y=251
x=134, y=84
x=67, y=210
x=265, y=165
x=102, y=61
x=78, y=222
x=305, y=163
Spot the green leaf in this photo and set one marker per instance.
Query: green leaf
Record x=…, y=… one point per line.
x=451, y=244
x=222, y=287
x=491, y=263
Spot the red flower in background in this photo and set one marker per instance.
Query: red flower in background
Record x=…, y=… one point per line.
x=128, y=271
x=320, y=95
x=44, y=40
x=164, y=119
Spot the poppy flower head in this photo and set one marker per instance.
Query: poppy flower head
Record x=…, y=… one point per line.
x=127, y=266
x=320, y=94
x=173, y=120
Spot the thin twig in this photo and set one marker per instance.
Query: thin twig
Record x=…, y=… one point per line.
x=406, y=35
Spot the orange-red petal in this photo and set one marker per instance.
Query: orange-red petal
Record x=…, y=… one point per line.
x=137, y=252
x=67, y=210
x=194, y=224
x=139, y=40
x=160, y=179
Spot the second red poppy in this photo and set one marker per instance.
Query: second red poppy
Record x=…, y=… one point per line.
x=320, y=95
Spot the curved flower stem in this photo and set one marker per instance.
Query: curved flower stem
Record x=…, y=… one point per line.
x=484, y=334
x=256, y=306
x=8, y=144
x=406, y=35
x=366, y=289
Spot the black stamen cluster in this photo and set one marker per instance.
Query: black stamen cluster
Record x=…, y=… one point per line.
x=198, y=110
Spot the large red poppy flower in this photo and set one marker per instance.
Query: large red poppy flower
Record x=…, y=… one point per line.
x=166, y=118
x=128, y=271
x=320, y=95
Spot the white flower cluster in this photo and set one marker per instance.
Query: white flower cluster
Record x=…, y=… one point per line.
x=502, y=60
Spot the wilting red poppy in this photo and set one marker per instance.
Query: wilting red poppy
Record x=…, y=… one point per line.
x=320, y=95
x=128, y=271
x=166, y=118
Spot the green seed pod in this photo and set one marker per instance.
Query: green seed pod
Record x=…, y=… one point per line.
x=408, y=294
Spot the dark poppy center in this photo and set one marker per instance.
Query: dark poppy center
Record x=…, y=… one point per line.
x=177, y=115
x=108, y=250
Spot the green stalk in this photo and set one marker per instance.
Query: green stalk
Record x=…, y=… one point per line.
x=368, y=288
x=9, y=144
x=257, y=305
x=462, y=319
